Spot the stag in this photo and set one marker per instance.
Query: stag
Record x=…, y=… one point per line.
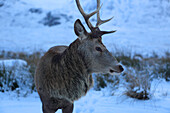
x=64, y=73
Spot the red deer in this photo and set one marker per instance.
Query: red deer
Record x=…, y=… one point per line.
x=64, y=73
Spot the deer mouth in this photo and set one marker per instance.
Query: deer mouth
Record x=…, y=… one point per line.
x=113, y=72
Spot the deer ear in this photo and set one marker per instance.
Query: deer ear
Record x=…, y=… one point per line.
x=80, y=30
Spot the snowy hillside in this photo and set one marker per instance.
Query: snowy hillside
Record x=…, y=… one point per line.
x=142, y=26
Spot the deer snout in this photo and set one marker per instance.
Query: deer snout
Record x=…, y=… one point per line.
x=116, y=70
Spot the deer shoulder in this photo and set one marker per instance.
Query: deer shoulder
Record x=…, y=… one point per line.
x=58, y=49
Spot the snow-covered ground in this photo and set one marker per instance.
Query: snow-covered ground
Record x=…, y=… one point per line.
x=143, y=26
x=94, y=102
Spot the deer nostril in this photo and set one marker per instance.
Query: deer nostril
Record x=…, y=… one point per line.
x=121, y=68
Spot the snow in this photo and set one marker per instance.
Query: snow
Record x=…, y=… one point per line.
x=43, y=3
x=12, y=62
x=94, y=102
x=142, y=27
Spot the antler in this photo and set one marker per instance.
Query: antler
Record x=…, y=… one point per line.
x=99, y=21
x=87, y=16
x=95, y=30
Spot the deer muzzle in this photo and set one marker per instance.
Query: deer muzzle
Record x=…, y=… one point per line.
x=117, y=70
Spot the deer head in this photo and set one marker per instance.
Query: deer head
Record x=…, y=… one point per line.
x=96, y=55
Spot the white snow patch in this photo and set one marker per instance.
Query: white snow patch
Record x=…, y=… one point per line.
x=13, y=62
x=95, y=102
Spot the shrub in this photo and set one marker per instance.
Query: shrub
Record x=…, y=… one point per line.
x=23, y=75
x=7, y=80
x=138, y=84
x=104, y=80
x=14, y=75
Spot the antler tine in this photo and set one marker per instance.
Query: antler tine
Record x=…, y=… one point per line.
x=99, y=21
x=107, y=32
x=87, y=16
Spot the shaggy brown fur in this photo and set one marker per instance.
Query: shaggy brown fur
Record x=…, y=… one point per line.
x=62, y=74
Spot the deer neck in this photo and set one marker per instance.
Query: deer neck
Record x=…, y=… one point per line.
x=74, y=60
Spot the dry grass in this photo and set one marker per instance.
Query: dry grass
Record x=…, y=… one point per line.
x=138, y=84
x=141, y=71
x=138, y=74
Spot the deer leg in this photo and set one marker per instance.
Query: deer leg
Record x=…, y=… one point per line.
x=68, y=108
x=53, y=104
x=46, y=109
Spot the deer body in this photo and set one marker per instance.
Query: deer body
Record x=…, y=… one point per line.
x=60, y=76
x=63, y=74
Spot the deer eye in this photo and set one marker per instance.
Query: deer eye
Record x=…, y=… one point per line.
x=98, y=49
